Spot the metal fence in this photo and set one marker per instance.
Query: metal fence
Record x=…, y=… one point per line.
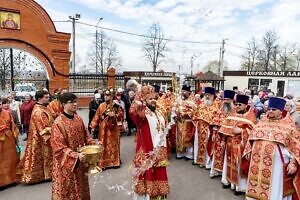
x=86, y=84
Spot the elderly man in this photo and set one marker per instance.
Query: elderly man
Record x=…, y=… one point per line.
x=236, y=130
x=216, y=141
x=273, y=150
x=203, y=118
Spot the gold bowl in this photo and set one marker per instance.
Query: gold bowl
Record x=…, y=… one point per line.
x=93, y=154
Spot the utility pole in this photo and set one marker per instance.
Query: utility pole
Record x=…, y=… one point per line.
x=73, y=18
x=222, y=57
x=12, y=69
x=97, y=56
x=192, y=65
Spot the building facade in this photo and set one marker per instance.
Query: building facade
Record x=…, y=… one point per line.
x=280, y=82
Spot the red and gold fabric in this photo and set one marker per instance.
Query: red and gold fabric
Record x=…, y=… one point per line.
x=217, y=142
x=55, y=108
x=261, y=145
x=185, y=127
x=36, y=164
x=235, y=143
x=109, y=134
x=154, y=181
x=9, y=158
x=204, y=116
x=69, y=180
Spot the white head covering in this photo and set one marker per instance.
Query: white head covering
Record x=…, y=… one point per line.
x=120, y=90
x=97, y=96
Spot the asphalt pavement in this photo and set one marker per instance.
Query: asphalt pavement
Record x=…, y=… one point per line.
x=187, y=181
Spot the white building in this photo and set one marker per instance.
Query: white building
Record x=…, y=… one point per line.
x=280, y=82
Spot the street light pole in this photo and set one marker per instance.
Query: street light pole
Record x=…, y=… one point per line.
x=101, y=18
x=73, y=18
x=222, y=57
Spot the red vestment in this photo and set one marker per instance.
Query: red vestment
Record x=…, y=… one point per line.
x=262, y=143
x=109, y=134
x=204, y=117
x=235, y=143
x=154, y=181
x=217, y=142
x=55, y=108
x=36, y=164
x=185, y=127
x=69, y=181
x=8, y=154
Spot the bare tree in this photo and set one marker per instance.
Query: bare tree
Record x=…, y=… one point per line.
x=250, y=58
x=286, y=57
x=155, y=46
x=269, y=50
x=213, y=66
x=106, y=54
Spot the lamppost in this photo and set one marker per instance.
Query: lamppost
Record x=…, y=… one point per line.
x=73, y=18
x=101, y=18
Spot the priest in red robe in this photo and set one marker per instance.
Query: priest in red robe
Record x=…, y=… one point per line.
x=69, y=180
x=273, y=150
x=151, y=149
x=8, y=154
x=36, y=164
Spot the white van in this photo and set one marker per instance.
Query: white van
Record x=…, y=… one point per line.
x=22, y=89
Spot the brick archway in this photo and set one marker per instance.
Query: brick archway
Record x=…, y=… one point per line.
x=37, y=34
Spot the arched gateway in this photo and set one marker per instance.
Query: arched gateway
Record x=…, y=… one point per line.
x=26, y=25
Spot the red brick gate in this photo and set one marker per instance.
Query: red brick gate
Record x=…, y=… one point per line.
x=33, y=31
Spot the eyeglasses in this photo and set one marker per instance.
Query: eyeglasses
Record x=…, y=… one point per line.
x=238, y=104
x=272, y=109
x=74, y=101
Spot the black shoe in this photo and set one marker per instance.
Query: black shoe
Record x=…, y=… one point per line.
x=193, y=163
x=179, y=158
x=238, y=193
x=226, y=186
x=187, y=159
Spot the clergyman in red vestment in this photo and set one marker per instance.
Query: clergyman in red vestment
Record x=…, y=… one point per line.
x=8, y=154
x=68, y=133
x=151, y=149
x=273, y=152
x=106, y=118
x=36, y=164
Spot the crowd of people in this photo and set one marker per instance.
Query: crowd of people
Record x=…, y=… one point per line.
x=251, y=141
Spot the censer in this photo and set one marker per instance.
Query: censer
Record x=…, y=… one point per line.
x=93, y=154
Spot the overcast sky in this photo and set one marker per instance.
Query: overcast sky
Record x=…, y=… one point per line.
x=205, y=22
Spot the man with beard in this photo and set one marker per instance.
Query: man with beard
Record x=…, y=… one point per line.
x=9, y=157
x=184, y=110
x=216, y=143
x=151, y=151
x=36, y=164
x=109, y=134
x=235, y=130
x=273, y=152
x=203, y=119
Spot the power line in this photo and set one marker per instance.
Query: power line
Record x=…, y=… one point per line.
x=146, y=36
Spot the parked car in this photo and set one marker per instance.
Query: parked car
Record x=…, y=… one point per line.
x=22, y=89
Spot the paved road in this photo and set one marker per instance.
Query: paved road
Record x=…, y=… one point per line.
x=187, y=182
